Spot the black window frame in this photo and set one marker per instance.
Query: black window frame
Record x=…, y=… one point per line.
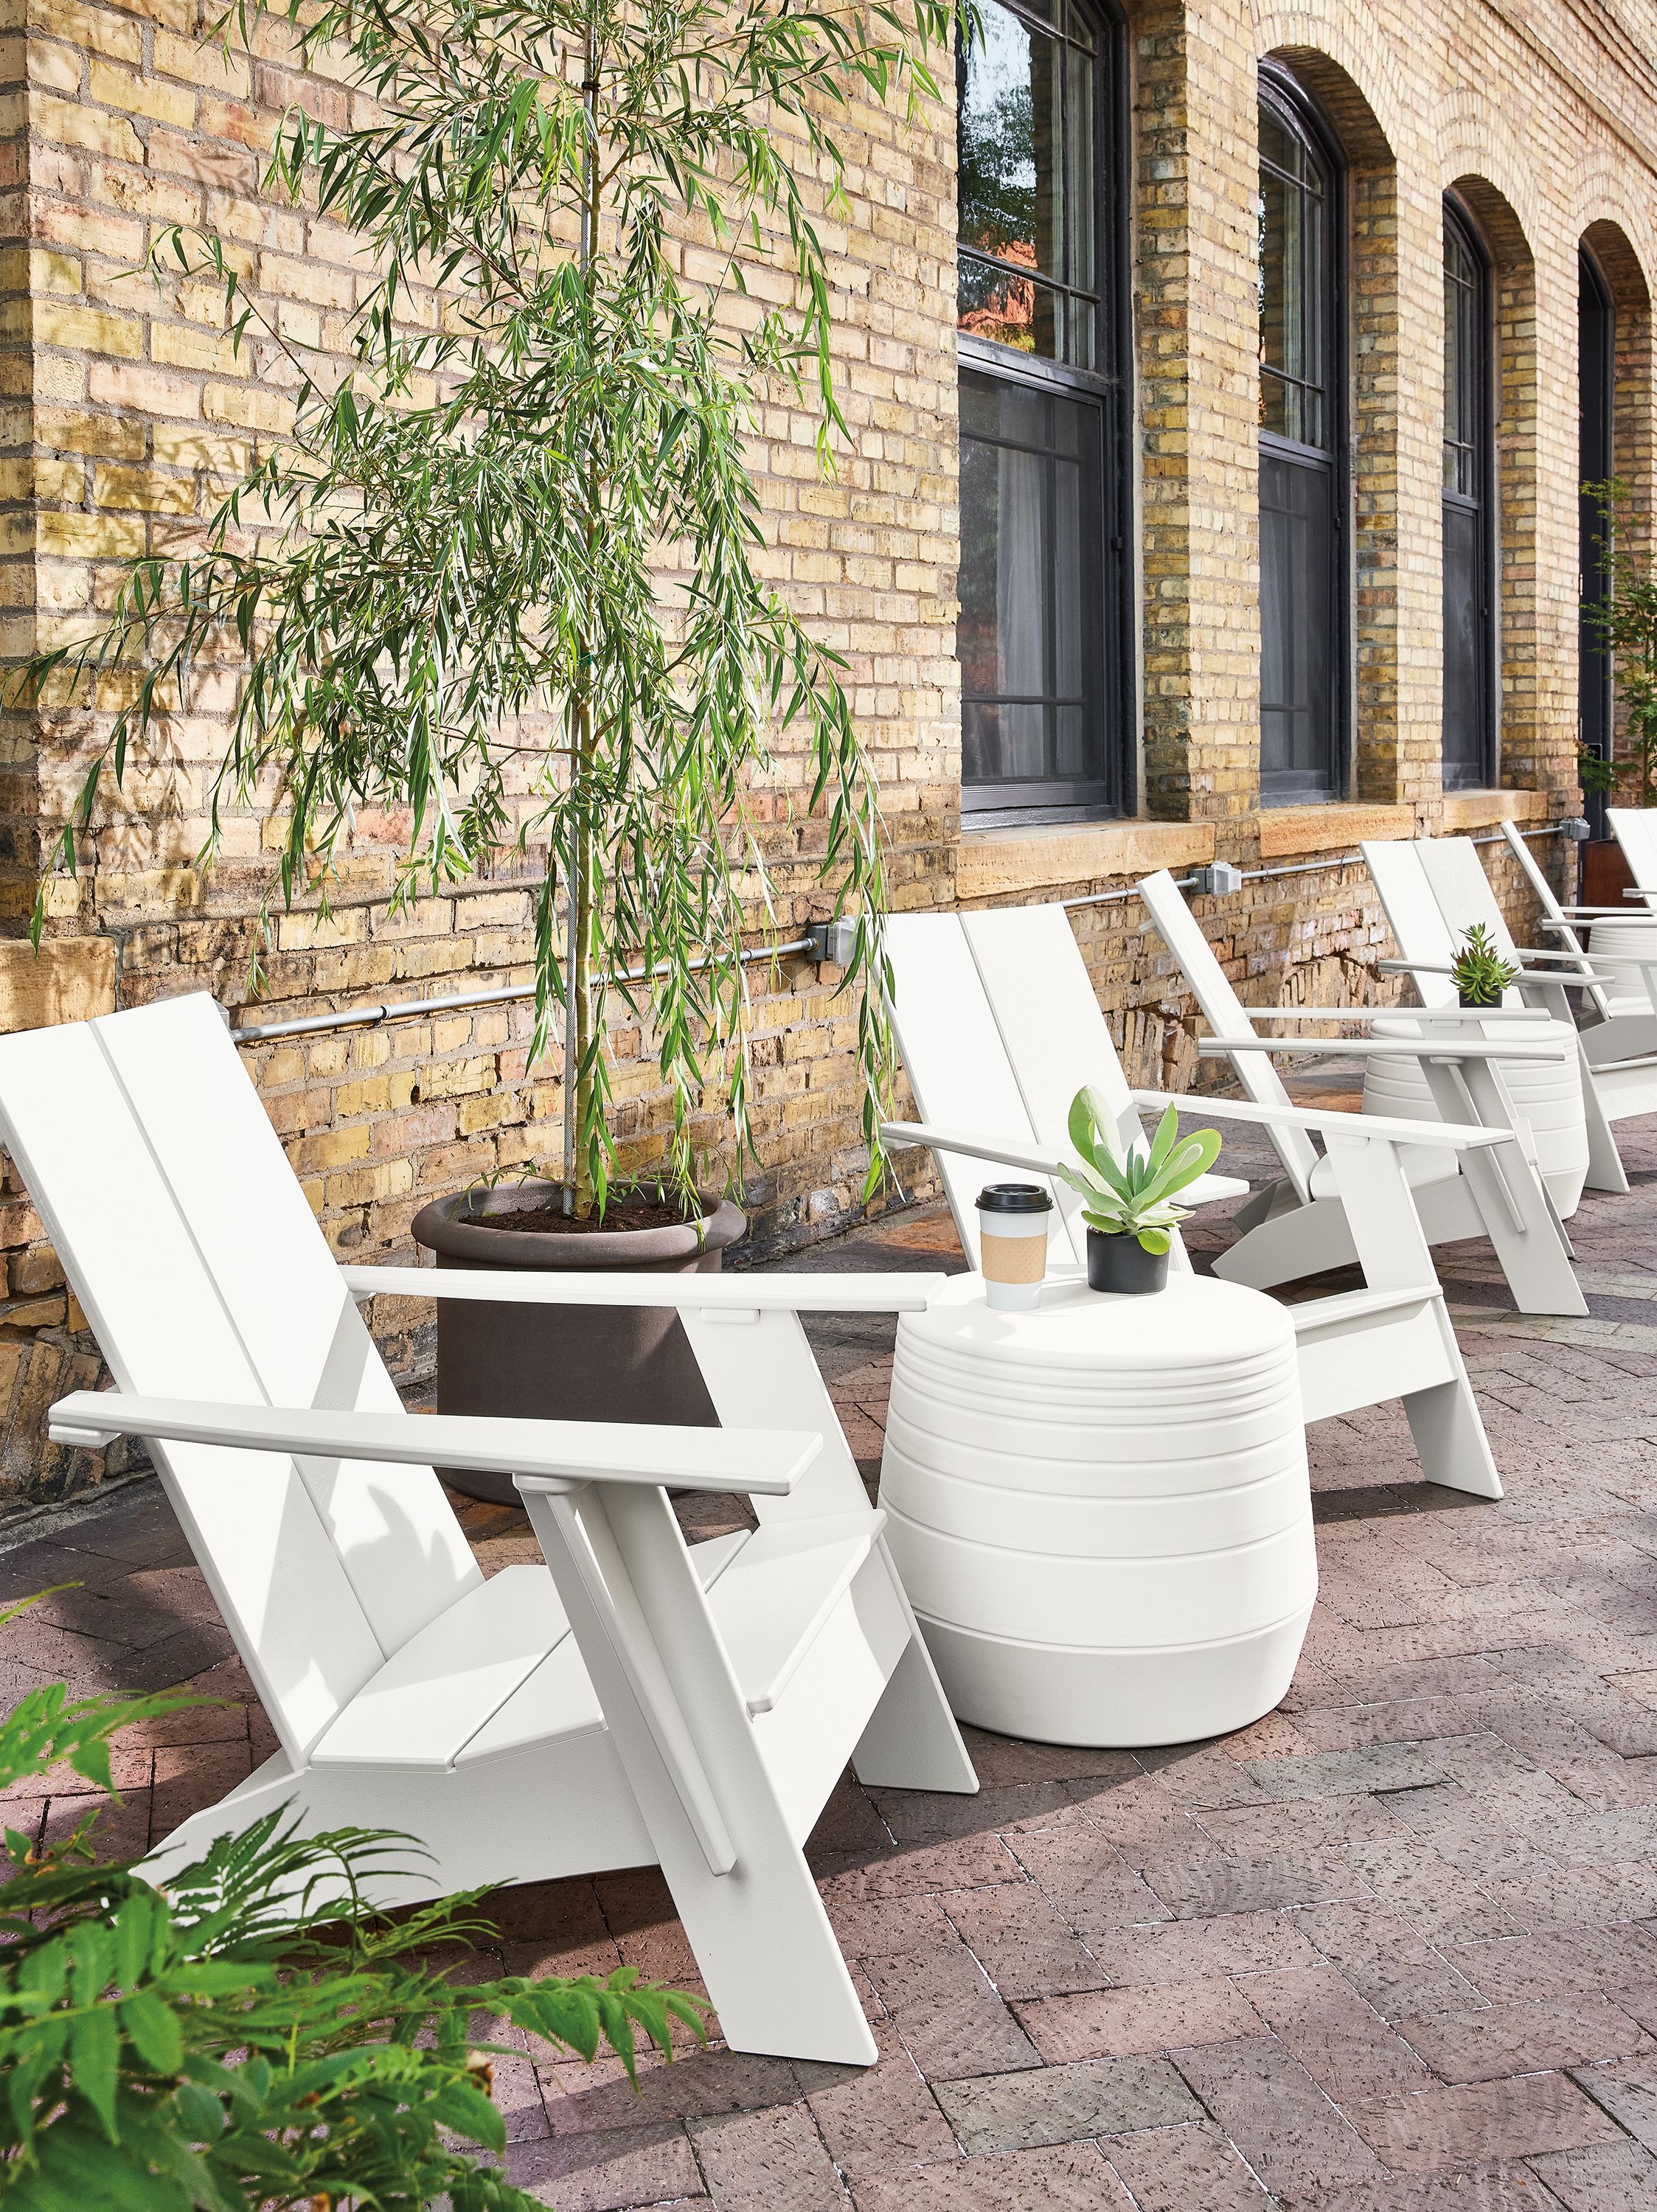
x=1479, y=774
x=1596, y=461
x=1295, y=108
x=1111, y=793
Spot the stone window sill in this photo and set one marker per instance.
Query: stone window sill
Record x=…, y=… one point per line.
x=1286, y=832
x=1077, y=857
x=1004, y=863
x=1483, y=809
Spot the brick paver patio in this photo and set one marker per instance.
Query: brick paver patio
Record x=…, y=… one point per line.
x=1395, y=1945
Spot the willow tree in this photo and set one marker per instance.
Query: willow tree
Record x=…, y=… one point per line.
x=505, y=571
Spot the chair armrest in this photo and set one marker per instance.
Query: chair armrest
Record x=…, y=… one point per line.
x=1391, y=1013
x=1520, y=976
x=1569, y=914
x=1579, y=979
x=542, y=1454
x=978, y=1146
x=743, y=1293
x=1459, y=1136
x=974, y=1143
x=1459, y=1013
x=1426, y=1047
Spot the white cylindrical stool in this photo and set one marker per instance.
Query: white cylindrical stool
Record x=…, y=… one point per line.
x=1547, y=1092
x=1612, y=947
x=1101, y=1509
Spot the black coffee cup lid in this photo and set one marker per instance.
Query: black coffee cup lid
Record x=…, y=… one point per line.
x=1014, y=1198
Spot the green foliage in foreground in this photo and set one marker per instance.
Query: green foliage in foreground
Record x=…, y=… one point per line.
x=255, y=2038
x=1133, y=1195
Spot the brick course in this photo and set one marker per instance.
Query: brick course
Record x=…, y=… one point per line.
x=123, y=412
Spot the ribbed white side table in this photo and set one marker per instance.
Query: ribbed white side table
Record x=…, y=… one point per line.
x=1612, y=945
x=1101, y=1509
x=1547, y=1092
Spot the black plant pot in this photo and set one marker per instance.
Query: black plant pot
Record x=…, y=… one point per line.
x=1480, y=1005
x=1122, y=1264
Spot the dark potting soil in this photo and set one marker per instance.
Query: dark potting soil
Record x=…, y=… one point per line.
x=620, y=1213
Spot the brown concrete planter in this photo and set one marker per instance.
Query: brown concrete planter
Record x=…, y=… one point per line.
x=567, y=1363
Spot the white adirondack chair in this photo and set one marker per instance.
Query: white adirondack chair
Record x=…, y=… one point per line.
x=1613, y=1089
x=1298, y=1227
x=1621, y=1032
x=642, y=1703
x=1635, y=828
x=1547, y=1101
x=999, y=1028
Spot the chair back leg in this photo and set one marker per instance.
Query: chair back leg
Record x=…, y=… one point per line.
x=911, y=1741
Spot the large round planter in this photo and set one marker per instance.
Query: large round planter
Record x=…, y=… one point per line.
x=572, y=1362
x=1101, y=1509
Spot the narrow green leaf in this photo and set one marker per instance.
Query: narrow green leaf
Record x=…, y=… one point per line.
x=94, y=2045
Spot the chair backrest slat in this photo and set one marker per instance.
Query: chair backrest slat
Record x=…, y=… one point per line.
x=395, y=1532
x=1056, y=1034
x=955, y=1056
x=1455, y=876
x=1635, y=828
x=129, y=1254
x=1412, y=913
x=1225, y=1014
x=1562, y=936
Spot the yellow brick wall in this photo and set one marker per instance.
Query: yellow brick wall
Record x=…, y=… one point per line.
x=124, y=410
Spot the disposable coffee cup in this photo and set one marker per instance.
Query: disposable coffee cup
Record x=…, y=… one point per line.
x=1013, y=1237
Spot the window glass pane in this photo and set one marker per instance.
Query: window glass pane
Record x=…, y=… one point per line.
x=1079, y=167
x=1013, y=311
x=1454, y=339
x=1028, y=104
x=1011, y=183
x=1297, y=608
x=1281, y=147
x=1468, y=732
x=1292, y=281
x=1465, y=646
x=1031, y=637
x=1464, y=364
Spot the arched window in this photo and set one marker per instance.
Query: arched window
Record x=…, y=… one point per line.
x=1042, y=637
x=1596, y=338
x=1304, y=656
x=1469, y=746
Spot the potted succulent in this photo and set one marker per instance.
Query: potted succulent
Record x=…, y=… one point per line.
x=1480, y=974
x=1130, y=1209
x=508, y=583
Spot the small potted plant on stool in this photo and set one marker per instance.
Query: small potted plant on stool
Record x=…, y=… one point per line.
x=1478, y=972
x=1129, y=1208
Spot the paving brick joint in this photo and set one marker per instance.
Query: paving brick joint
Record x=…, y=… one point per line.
x=1394, y=1947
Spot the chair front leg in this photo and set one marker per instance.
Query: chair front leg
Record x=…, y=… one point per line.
x=682, y=1731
